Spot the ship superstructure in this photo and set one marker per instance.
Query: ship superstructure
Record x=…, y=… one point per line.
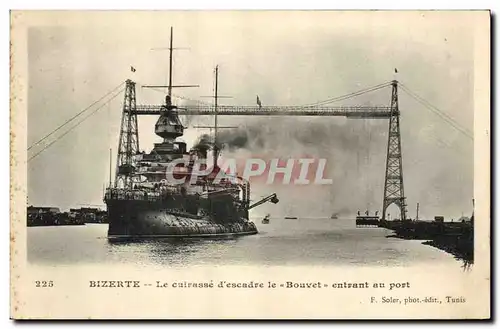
x=169, y=192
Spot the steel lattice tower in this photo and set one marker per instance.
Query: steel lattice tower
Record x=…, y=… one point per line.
x=394, y=187
x=128, y=144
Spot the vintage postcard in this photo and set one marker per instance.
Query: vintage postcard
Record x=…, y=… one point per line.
x=250, y=165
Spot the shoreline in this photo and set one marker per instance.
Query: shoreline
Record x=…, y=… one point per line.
x=456, y=239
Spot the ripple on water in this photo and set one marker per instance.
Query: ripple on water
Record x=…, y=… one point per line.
x=298, y=242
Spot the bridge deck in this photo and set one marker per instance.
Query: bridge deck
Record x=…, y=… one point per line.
x=349, y=112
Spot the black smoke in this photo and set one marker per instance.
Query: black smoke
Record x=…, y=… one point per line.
x=203, y=143
x=354, y=150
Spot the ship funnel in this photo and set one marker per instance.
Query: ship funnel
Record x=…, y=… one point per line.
x=202, y=153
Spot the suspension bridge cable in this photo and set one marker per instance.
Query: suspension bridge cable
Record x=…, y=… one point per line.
x=75, y=116
x=448, y=145
x=357, y=93
x=444, y=143
x=424, y=100
x=350, y=95
x=447, y=118
x=327, y=101
x=449, y=121
x=76, y=125
x=439, y=113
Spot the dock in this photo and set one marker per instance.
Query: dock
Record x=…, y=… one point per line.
x=456, y=238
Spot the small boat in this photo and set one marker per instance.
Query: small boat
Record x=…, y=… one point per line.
x=334, y=216
x=266, y=219
x=288, y=217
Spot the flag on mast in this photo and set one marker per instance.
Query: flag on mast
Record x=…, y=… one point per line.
x=132, y=69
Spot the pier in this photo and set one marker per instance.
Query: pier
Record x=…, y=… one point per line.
x=456, y=238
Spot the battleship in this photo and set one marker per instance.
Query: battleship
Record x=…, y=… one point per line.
x=147, y=200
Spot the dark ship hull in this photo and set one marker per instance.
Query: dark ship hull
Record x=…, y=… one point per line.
x=144, y=219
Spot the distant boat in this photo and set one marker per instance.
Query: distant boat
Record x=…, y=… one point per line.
x=334, y=216
x=266, y=219
x=288, y=217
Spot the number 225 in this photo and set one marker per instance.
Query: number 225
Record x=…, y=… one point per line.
x=44, y=284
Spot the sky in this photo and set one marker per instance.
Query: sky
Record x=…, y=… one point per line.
x=287, y=58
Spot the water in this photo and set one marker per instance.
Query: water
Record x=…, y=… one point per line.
x=282, y=242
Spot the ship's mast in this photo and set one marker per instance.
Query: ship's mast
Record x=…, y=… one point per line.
x=170, y=72
x=168, y=125
x=216, y=127
x=110, y=162
x=216, y=151
x=170, y=66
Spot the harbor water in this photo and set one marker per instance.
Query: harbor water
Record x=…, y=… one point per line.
x=304, y=241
